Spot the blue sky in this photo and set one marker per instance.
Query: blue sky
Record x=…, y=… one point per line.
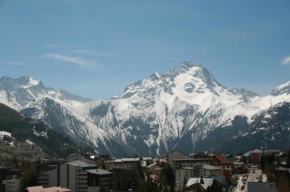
x=96, y=48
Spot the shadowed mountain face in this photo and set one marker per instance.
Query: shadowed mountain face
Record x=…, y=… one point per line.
x=21, y=128
x=185, y=108
x=270, y=130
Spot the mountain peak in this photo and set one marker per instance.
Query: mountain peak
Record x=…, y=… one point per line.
x=21, y=82
x=190, y=64
x=29, y=82
x=282, y=89
x=155, y=76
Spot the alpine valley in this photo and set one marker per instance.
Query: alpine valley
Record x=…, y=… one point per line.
x=182, y=108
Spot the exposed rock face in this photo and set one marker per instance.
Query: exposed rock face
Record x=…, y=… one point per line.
x=184, y=108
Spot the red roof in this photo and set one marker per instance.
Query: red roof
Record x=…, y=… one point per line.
x=221, y=158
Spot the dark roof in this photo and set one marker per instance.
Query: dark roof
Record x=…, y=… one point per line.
x=72, y=155
x=261, y=187
x=176, y=150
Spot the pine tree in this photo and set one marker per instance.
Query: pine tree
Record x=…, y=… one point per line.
x=29, y=176
x=1, y=190
x=170, y=175
x=148, y=186
x=118, y=185
x=288, y=159
x=250, y=159
x=102, y=188
x=262, y=163
x=278, y=162
x=172, y=188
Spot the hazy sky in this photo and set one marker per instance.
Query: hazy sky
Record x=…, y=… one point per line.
x=96, y=48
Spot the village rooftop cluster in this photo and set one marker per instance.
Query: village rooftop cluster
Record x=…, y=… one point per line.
x=204, y=171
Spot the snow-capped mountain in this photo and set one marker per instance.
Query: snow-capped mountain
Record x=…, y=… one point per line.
x=270, y=130
x=18, y=130
x=178, y=109
x=19, y=92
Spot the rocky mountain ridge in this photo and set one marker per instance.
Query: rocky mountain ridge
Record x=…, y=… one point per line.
x=178, y=109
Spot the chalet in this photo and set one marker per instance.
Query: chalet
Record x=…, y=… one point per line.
x=155, y=171
x=256, y=156
x=222, y=162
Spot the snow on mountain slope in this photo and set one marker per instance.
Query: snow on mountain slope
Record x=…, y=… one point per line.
x=269, y=131
x=167, y=108
x=282, y=89
x=179, y=108
x=19, y=92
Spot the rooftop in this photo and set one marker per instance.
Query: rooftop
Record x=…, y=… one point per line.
x=221, y=158
x=187, y=168
x=257, y=151
x=50, y=189
x=130, y=159
x=206, y=182
x=282, y=169
x=79, y=163
x=194, y=160
x=209, y=167
x=99, y=171
x=261, y=187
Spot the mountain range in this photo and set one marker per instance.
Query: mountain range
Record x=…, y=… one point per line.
x=184, y=108
x=18, y=130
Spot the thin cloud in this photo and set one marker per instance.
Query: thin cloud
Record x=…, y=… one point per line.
x=13, y=63
x=286, y=60
x=52, y=45
x=75, y=60
x=95, y=53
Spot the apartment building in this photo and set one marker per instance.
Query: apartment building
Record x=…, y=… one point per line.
x=182, y=175
x=188, y=162
x=78, y=176
x=175, y=154
x=11, y=185
x=124, y=163
x=206, y=170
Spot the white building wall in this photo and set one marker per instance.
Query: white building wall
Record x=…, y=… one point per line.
x=63, y=176
x=191, y=163
x=82, y=181
x=182, y=175
x=206, y=172
x=12, y=185
x=72, y=178
x=175, y=155
x=52, y=175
